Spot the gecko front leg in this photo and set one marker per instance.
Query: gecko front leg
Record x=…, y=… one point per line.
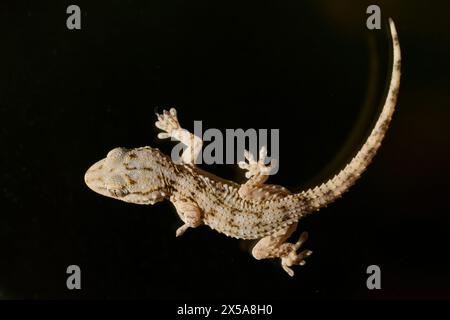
x=189, y=213
x=168, y=122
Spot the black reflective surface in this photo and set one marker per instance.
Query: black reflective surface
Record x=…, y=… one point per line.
x=309, y=68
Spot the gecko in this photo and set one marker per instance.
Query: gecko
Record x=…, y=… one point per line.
x=252, y=210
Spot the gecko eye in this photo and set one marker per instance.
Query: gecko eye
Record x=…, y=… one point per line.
x=116, y=154
x=118, y=192
x=116, y=186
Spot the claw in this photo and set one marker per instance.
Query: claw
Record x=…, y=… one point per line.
x=293, y=258
x=249, y=156
x=288, y=270
x=163, y=135
x=262, y=153
x=168, y=122
x=181, y=230
x=242, y=165
x=254, y=167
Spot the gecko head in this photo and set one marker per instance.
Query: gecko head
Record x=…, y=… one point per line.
x=131, y=175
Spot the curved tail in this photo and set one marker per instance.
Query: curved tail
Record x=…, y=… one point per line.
x=326, y=193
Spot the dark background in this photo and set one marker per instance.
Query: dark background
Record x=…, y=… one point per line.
x=309, y=68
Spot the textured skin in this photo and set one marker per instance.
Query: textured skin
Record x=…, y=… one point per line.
x=253, y=210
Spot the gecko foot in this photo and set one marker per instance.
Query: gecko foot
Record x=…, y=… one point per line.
x=181, y=230
x=168, y=122
x=292, y=258
x=254, y=167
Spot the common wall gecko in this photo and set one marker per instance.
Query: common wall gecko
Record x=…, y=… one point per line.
x=253, y=210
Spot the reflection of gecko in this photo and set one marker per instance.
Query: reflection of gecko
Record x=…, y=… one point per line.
x=254, y=210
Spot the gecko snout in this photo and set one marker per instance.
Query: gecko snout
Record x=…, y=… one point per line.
x=94, y=177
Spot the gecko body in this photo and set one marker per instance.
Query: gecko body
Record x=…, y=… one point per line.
x=253, y=210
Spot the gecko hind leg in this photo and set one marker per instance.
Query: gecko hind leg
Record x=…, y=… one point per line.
x=257, y=174
x=275, y=246
x=256, y=168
